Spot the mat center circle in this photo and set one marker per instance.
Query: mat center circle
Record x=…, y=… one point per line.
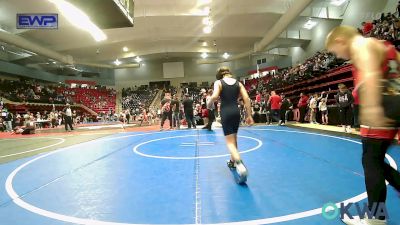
x=189, y=146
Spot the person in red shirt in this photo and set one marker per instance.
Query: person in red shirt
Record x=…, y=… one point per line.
x=275, y=101
x=258, y=97
x=373, y=63
x=302, y=105
x=367, y=27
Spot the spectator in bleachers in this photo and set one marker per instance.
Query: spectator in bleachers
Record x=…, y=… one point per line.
x=344, y=99
x=258, y=97
x=367, y=27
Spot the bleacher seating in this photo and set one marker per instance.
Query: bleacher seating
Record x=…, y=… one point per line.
x=99, y=100
x=323, y=70
x=134, y=99
x=31, y=91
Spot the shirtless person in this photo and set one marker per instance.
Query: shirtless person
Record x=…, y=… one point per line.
x=374, y=62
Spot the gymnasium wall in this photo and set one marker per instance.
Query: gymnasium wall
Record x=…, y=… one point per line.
x=153, y=71
x=106, y=75
x=391, y=6
x=8, y=77
x=299, y=54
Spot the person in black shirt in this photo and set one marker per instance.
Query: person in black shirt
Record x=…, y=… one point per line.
x=289, y=110
x=256, y=111
x=9, y=121
x=267, y=109
x=284, y=108
x=228, y=90
x=175, y=104
x=344, y=98
x=188, y=109
x=211, y=110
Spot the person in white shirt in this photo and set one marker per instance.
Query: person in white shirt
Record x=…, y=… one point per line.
x=323, y=108
x=123, y=117
x=313, y=109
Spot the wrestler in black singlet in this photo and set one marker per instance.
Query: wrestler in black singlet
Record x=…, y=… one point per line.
x=230, y=114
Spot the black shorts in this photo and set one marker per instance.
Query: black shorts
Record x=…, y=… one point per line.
x=230, y=120
x=324, y=113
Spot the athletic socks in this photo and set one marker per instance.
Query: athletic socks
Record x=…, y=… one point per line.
x=231, y=164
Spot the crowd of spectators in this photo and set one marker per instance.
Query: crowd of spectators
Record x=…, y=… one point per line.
x=387, y=27
x=96, y=98
x=314, y=66
x=28, y=91
x=137, y=97
x=99, y=99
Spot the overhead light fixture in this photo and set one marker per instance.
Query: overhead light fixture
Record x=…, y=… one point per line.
x=125, y=49
x=1, y=29
x=79, y=19
x=207, y=21
x=204, y=44
x=207, y=29
x=204, y=55
x=310, y=24
x=138, y=59
x=207, y=10
x=204, y=2
x=225, y=55
x=117, y=62
x=338, y=2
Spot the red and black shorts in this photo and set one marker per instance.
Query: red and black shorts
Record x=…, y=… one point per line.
x=388, y=133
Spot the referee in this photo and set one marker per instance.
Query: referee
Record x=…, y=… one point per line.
x=68, y=117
